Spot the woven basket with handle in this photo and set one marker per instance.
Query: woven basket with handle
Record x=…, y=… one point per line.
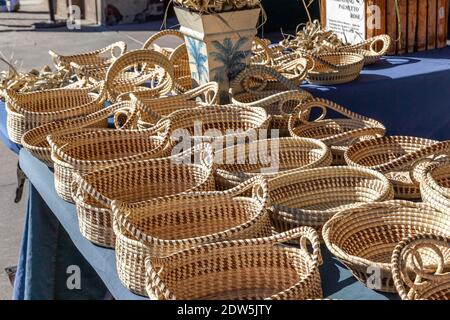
x=396, y=157
x=412, y=280
x=364, y=238
x=262, y=268
x=135, y=181
x=88, y=150
x=338, y=133
x=26, y=111
x=313, y=196
x=371, y=49
x=269, y=158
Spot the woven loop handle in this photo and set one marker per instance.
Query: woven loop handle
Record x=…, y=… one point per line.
x=161, y=34
x=407, y=252
x=258, y=185
x=265, y=50
x=371, y=43
x=319, y=59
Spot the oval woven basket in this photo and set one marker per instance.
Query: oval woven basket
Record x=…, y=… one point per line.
x=396, y=157
x=262, y=268
x=93, y=64
x=26, y=111
x=313, y=196
x=407, y=260
x=371, y=49
x=269, y=158
x=364, y=238
x=35, y=140
x=334, y=68
x=135, y=181
x=167, y=225
x=88, y=150
x=152, y=109
x=338, y=133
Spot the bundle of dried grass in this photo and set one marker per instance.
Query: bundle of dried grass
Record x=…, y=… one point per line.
x=209, y=6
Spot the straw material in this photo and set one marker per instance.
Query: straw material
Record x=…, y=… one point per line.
x=435, y=185
x=311, y=197
x=35, y=140
x=88, y=150
x=93, y=64
x=151, y=43
x=151, y=110
x=26, y=111
x=181, y=69
x=339, y=133
x=363, y=238
x=396, y=157
x=167, y=225
x=368, y=48
x=135, y=181
x=407, y=260
x=247, y=269
x=269, y=158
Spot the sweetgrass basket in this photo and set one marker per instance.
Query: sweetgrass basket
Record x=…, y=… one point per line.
x=269, y=158
x=26, y=111
x=313, y=196
x=262, y=268
x=152, y=109
x=396, y=157
x=411, y=279
x=371, y=49
x=363, y=238
x=135, y=181
x=337, y=133
x=93, y=64
x=160, y=37
x=88, y=150
x=181, y=69
x=35, y=140
x=167, y=225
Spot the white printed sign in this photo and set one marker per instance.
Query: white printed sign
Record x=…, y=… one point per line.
x=347, y=18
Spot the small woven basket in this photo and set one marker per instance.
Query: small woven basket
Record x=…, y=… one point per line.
x=339, y=133
x=151, y=110
x=93, y=64
x=35, y=140
x=364, y=238
x=26, y=111
x=262, y=268
x=435, y=185
x=135, y=181
x=311, y=197
x=407, y=260
x=396, y=157
x=88, y=150
x=371, y=49
x=167, y=225
x=269, y=158
x=334, y=68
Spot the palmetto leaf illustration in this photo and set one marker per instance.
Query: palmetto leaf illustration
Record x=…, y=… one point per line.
x=232, y=58
x=195, y=48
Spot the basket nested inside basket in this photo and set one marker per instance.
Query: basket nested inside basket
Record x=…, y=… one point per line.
x=165, y=225
x=135, y=181
x=262, y=268
x=396, y=157
x=311, y=197
x=26, y=111
x=338, y=133
x=412, y=280
x=268, y=157
x=363, y=238
x=152, y=109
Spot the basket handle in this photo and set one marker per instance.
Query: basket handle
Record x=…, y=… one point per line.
x=265, y=50
x=121, y=46
x=161, y=34
x=258, y=185
x=407, y=253
x=370, y=45
x=318, y=58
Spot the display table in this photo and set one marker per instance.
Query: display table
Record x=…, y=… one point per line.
x=410, y=95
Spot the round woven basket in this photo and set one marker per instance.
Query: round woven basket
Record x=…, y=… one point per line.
x=311, y=197
x=88, y=150
x=152, y=109
x=135, y=181
x=363, y=238
x=262, y=268
x=334, y=68
x=26, y=111
x=35, y=140
x=93, y=64
x=435, y=185
x=339, y=133
x=407, y=260
x=372, y=49
x=269, y=158
x=396, y=157
x=167, y=225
